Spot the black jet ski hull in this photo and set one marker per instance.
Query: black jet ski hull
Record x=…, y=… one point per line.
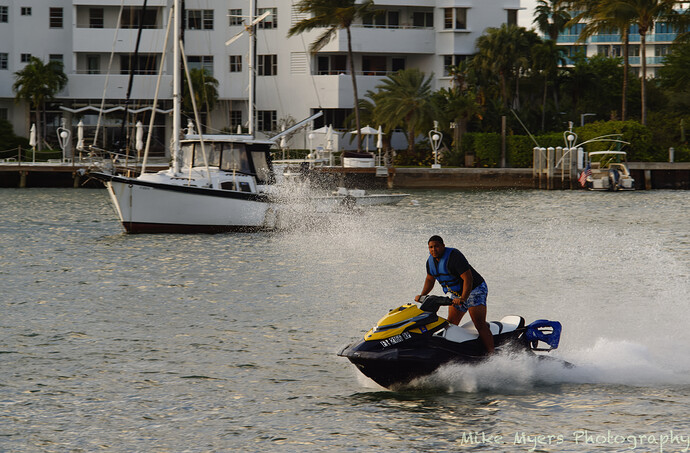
x=418, y=357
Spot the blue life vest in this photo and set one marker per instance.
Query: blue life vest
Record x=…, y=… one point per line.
x=450, y=283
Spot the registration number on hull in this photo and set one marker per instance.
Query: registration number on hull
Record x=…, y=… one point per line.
x=396, y=339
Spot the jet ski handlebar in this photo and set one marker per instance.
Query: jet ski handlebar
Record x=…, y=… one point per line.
x=433, y=303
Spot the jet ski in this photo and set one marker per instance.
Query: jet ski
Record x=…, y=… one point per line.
x=411, y=342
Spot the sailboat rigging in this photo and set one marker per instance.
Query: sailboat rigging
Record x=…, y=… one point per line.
x=225, y=185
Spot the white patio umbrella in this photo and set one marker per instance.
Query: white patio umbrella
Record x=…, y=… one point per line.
x=379, y=142
x=239, y=129
x=329, y=138
x=80, y=135
x=367, y=130
x=139, y=137
x=283, y=142
x=32, y=140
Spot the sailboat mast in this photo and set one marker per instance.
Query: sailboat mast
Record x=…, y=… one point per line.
x=252, y=36
x=176, y=87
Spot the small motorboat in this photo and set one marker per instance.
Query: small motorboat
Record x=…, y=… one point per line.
x=608, y=170
x=411, y=342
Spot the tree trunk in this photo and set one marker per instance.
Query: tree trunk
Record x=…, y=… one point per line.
x=354, y=89
x=626, y=70
x=643, y=80
x=39, y=127
x=543, y=104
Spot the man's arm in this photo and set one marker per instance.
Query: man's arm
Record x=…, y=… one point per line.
x=428, y=286
x=466, y=287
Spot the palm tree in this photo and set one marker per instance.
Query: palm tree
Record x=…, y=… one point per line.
x=334, y=15
x=550, y=18
x=504, y=53
x=646, y=13
x=604, y=16
x=546, y=58
x=643, y=13
x=205, y=88
x=404, y=100
x=37, y=84
x=458, y=106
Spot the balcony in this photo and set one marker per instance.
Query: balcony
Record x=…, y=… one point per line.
x=386, y=40
x=606, y=38
x=135, y=3
x=96, y=40
x=90, y=86
x=662, y=37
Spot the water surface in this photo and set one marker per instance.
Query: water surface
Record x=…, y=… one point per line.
x=117, y=342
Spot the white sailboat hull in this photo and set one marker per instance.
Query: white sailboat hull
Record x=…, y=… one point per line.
x=158, y=208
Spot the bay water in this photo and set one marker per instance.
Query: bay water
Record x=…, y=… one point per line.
x=200, y=343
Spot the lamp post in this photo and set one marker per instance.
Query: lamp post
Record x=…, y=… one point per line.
x=63, y=138
x=435, y=137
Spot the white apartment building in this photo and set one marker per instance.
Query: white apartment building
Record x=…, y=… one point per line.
x=658, y=41
x=96, y=40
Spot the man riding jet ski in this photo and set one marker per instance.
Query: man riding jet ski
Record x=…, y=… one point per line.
x=411, y=342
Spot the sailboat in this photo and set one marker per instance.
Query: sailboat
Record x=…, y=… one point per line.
x=216, y=183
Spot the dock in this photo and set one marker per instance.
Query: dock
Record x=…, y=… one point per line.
x=54, y=174
x=647, y=175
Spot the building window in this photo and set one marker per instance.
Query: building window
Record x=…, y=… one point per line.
x=135, y=17
x=235, y=16
x=421, y=19
x=3, y=61
x=266, y=120
x=455, y=18
x=385, y=19
x=235, y=119
x=512, y=18
x=93, y=64
x=56, y=17
x=25, y=10
x=204, y=62
x=25, y=57
x=374, y=65
x=451, y=61
x=661, y=50
x=332, y=65
x=144, y=64
x=235, y=63
x=663, y=27
x=4, y=114
x=56, y=57
x=271, y=21
x=4, y=15
x=336, y=117
x=200, y=19
x=397, y=64
x=95, y=17
x=268, y=65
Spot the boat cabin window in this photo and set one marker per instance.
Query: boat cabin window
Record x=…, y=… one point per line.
x=235, y=158
x=243, y=186
x=212, y=154
x=261, y=165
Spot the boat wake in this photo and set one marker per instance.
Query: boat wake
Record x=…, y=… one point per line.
x=607, y=362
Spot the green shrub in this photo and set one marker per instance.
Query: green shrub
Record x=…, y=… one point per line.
x=8, y=139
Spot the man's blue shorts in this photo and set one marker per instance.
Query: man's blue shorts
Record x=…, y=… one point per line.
x=477, y=297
